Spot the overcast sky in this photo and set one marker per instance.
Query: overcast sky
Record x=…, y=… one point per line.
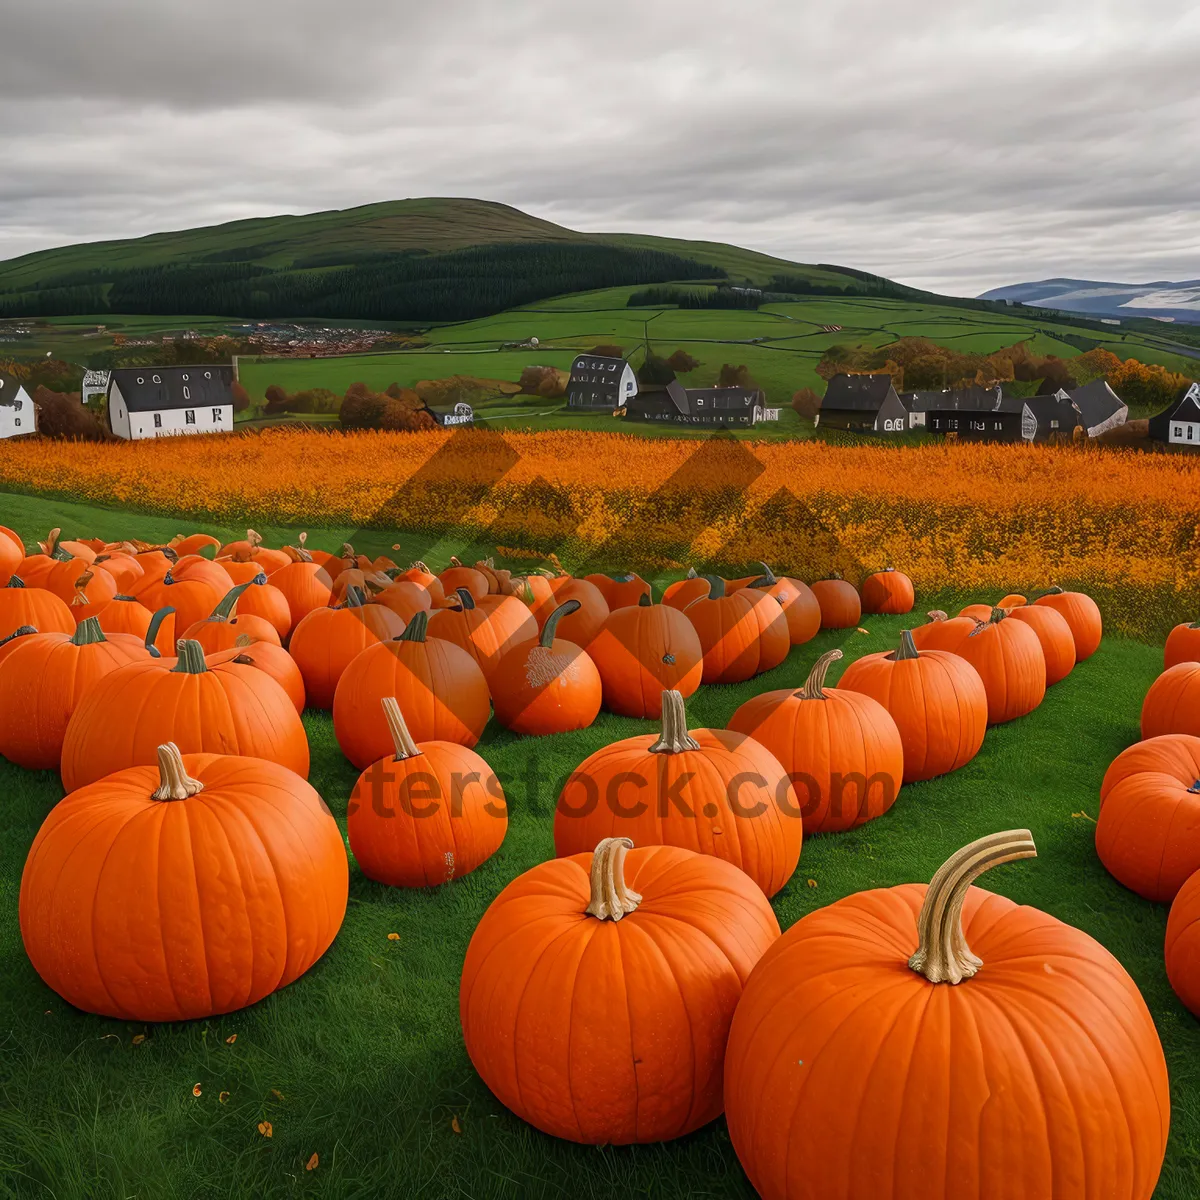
x=951, y=144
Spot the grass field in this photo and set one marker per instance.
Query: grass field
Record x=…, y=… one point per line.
x=361, y=1061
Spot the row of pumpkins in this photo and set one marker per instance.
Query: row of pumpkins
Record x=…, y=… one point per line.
x=617, y=993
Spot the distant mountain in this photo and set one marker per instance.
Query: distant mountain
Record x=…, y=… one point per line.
x=1163, y=299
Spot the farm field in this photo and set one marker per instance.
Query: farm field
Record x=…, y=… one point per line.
x=361, y=1061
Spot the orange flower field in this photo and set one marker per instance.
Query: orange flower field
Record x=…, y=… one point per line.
x=984, y=519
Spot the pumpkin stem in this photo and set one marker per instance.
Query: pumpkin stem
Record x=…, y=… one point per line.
x=417, y=566
x=22, y=631
x=565, y=609
x=226, y=608
x=152, y=632
x=48, y=546
x=465, y=599
x=998, y=615
x=416, y=629
x=355, y=598
x=644, y=601
x=813, y=685
x=766, y=579
x=15, y=582
x=908, y=648
x=1194, y=790
x=174, y=781
x=943, y=955
x=691, y=573
x=191, y=659
x=716, y=586
x=253, y=538
x=937, y=614
x=88, y=633
x=611, y=899
x=674, y=738
x=348, y=551
x=406, y=747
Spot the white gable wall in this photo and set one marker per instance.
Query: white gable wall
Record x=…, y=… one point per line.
x=1185, y=433
x=173, y=422
x=19, y=417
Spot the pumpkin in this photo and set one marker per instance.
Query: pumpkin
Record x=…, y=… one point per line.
x=977, y=612
x=642, y=651
x=740, y=635
x=486, y=627
x=33, y=568
x=328, y=640
x=250, y=544
x=1081, y=614
x=265, y=602
x=155, y=564
x=196, y=567
x=91, y=591
x=183, y=890
x=709, y=790
x=277, y=663
x=425, y=814
x=683, y=591
x=943, y=632
x=362, y=562
x=11, y=556
x=1053, y=634
x=840, y=749
x=21, y=605
x=1148, y=829
x=438, y=685
x=14, y=537
x=581, y=624
x=915, y=1043
x=535, y=592
x=800, y=607
x=76, y=582
x=457, y=576
x=404, y=598
x=936, y=699
x=1172, y=703
x=231, y=708
x=1009, y=659
x=203, y=544
x=887, y=591
x=597, y=990
x=192, y=599
x=42, y=683
x=306, y=586
x=419, y=573
x=1012, y=600
x=547, y=686
x=227, y=623
x=55, y=547
x=1182, y=947
x=1183, y=644
x=125, y=569
x=840, y=604
x=10, y=643
x=621, y=591
x=352, y=577
x=124, y=614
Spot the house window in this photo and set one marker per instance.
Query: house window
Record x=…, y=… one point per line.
x=1191, y=430
x=1053, y=424
x=156, y=378
x=157, y=420
x=185, y=379
x=17, y=407
x=140, y=379
x=187, y=392
x=1178, y=431
x=190, y=416
x=17, y=422
x=997, y=425
x=207, y=374
x=216, y=416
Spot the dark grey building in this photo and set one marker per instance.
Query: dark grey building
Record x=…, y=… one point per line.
x=976, y=414
x=600, y=383
x=862, y=404
x=1098, y=407
x=1179, y=425
x=729, y=407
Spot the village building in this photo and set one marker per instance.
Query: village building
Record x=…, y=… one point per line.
x=18, y=413
x=600, y=383
x=1044, y=417
x=1179, y=425
x=94, y=388
x=976, y=413
x=726, y=407
x=460, y=413
x=862, y=404
x=1099, y=408
x=151, y=402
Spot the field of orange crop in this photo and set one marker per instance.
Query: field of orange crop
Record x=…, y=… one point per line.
x=985, y=519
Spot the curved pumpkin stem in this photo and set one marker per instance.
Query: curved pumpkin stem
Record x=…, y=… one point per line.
x=15, y=582
x=465, y=599
x=355, y=598
x=674, y=738
x=88, y=633
x=565, y=609
x=403, y=741
x=191, y=659
x=943, y=955
x=908, y=648
x=611, y=899
x=254, y=539
x=767, y=579
x=156, y=622
x=644, y=601
x=20, y=631
x=937, y=614
x=416, y=629
x=227, y=607
x=813, y=685
x=716, y=586
x=998, y=615
x=174, y=781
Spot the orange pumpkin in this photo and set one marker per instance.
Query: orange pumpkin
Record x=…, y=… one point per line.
x=202, y=544
x=621, y=591
x=277, y=663
x=14, y=537
x=306, y=586
x=583, y=623
x=642, y=651
x=438, y=685
x=192, y=599
x=193, y=567
x=1054, y=635
x=857, y=1068
x=740, y=635
x=457, y=576
x=709, y=790
x=1182, y=948
x=547, y=686
x=184, y=890
x=1083, y=616
x=1183, y=644
x=227, y=623
x=683, y=591
x=1012, y=600
x=127, y=715
x=535, y=592
x=486, y=627
x=124, y=568
x=75, y=582
x=266, y=602
x=800, y=607
x=427, y=813
x=43, y=610
x=598, y=990
x=328, y=640
x=124, y=614
x=936, y=699
x=888, y=591
x=1172, y=704
x=840, y=603
x=33, y=569
x=942, y=632
x=977, y=612
x=1148, y=830
x=42, y=683
x=11, y=556
x=1009, y=659
x=419, y=573
x=55, y=547
x=404, y=598
x=840, y=749
x=9, y=644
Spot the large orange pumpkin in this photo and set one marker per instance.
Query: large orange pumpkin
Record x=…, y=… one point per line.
x=221, y=630
x=683, y=591
x=936, y=699
x=943, y=632
x=192, y=599
x=547, y=686
x=1172, y=703
x=306, y=586
x=194, y=567
x=840, y=603
x=485, y=627
x=43, y=610
x=124, y=614
x=888, y=591
x=42, y=682
x=457, y=576
x=231, y=709
x=11, y=556
x=266, y=602
x=1009, y=659
x=709, y=790
x=328, y=640
x=427, y=813
x=124, y=568
x=741, y=635
x=184, y=890
x=1083, y=616
x=438, y=685
x=841, y=749
x=1183, y=645
x=620, y=591
x=1148, y=829
x=1182, y=948
x=76, y=582
x=598, y=990
x=404, y=598
x=642, y=651
x=277, y=663
x=1054, y=634
x=857, y=1069
x=800, y=607
x=581, y=625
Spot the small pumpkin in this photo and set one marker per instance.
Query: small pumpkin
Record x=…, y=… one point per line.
x=621, y=591
x=485, y=627
x=124, y=614
x=277, y=663
x=642, y=651
x=419, y=573
x=1012, y=600
x=741, y=635
x=800, y=607
x=1008, y=656
x=426, y=814
x=43, y=610
x=989, y=1050
x=196, y=568
x=597, y=990
x=977, y=612
x=306, y=586
x=683, y=591
x=710, y=790
x=405, y=598
x=1182, y=947
x=75, y=582
x=438, y=685
x=266, y=602
x=840, y=603
x=457, y=576
x=583, y=623
x=202, y=544
x=57, y=548
x=192, y=599
x=125, y=569
x=888, y=591
x=227, y=623
x=1082, y=614
x=936, y=699
x=840, y=749
x=1183, y=645
x=1054, y=635
x=124, y=882
x=11, y=556
x=1172, y=703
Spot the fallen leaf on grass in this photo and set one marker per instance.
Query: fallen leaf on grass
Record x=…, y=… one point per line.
x=393, y=937
x=264, y=1127
x=860, y=629
x=223, y=1097
x=812, y=883
x=1085, y=816
x=137, y=1039
x=312, y=1163
x=195, y=1089
x=455, y=1125
x=277, y=1094
x=231, y=1039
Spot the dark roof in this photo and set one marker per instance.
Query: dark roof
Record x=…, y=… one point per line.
x=975, y=399
x=158, y=389
x=10, y=388
x=857, y=393
x=1186, y=408
x=715, y=399
x=598, y=364
x=1052, y=408
x=924, y=401
x=1096, y=402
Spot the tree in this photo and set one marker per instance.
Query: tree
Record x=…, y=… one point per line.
x=807, y=403
x=1094, y=364
x=655, y=370
x=1056, y=374
x=544, y=381
x=1147, y=386
x=241, y=397
x=61, y=415
x=681, y=362
x=739, y=377
x=606, y=350
x=278, y=401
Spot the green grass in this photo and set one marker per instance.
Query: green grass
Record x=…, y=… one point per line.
x=361, y=1061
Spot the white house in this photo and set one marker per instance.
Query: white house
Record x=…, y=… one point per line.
x=150, y=402
x=18, y=415
x=1180, y=424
